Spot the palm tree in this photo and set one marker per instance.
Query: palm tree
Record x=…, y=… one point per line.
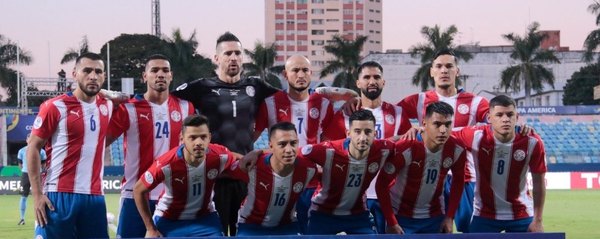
x=73, y=53
x=8, y=57
x=592, y=41
x=347, y=59
x=530, y=72
x=186, y=63
x=263, y=59
x=436, y=40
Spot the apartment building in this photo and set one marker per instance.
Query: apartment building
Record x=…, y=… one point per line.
x=305, y=26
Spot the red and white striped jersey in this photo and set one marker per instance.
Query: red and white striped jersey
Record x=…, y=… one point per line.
x=501, y=191
x=188, y=190
x=271, y=198
x=469, y=109
x=309, y=116
x=76, y=133
x=150, y=131
x=389, y=122
x=345, y=179
x=412, y=183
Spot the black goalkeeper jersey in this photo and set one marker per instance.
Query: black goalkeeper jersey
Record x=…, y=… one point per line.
x=230, y=108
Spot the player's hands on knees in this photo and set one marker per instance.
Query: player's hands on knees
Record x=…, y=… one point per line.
x=154, y=233
x=536, y=226
x=396, y=229
x=40, y=203
x=446, y=226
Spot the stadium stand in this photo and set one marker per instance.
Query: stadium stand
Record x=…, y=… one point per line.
x=569, y=139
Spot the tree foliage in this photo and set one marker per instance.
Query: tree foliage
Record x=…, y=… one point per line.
x=262, y=65
x=8, y=76
x=437, y=39
x=579, y=89
x=128, y=54
x=73, y=53
x=592, y=41
x=346, y=60
x=187, y=65
x=530, y=72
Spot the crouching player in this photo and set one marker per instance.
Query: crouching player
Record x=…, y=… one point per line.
x=274, y=186
x=188, y=173
x=410, y=185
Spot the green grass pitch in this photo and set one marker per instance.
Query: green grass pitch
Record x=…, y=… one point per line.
x=575, y=212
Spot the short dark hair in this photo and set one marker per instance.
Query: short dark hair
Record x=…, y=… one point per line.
x=283, y=125
x=88, y=55
x=369, y=64
x=156, y=57
x=439, y=107
x=361, y=115
x=227, y=36
x=194, y=120
x=444, y=51
x=502, y=100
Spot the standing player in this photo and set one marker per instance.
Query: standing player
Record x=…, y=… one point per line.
x=230, y=103
x=73, y=127
x=469, y=110
x=502, y=160
x=25, y=185
x=311, y=113
x=410, y=186
x=389, y=122
x=188, y=173
x=152, y=125
x=274, y=186
x=349, y=165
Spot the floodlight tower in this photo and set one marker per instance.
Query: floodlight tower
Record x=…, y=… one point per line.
x=156, y=18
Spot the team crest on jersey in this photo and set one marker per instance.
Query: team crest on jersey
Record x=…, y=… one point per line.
x=447, y=163
x=176, y=116
x=389, y=119
x=306, y=149
x=148, y=177
x=103, y=110
x=389, y=168
x=250, y=91
x=314, y=113
x=519, y=155
x=463, y=109
x=298, y=187
x=37, y=123
x=182, y=87
x=212, y=174
x=373, y=167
